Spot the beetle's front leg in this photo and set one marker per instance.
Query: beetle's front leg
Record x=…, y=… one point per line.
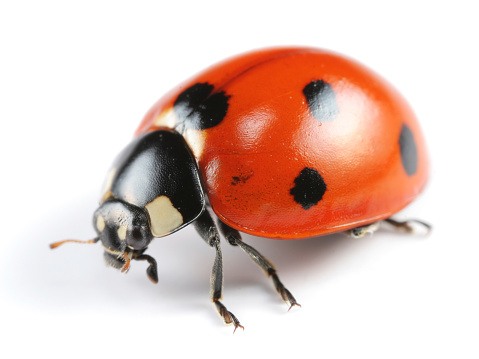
x=207, y=230
x=152, y=270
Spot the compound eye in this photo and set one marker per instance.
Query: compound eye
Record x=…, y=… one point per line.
x=138, y=237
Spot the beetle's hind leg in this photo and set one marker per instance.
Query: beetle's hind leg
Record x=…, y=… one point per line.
x=409, y=226
x=234, y=238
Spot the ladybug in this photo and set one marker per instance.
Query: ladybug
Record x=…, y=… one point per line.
x=282, y=143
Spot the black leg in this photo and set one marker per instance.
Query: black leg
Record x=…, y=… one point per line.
x=234, y=238
x=360, y=232
x=152, y=270
x=207, y=230
x=409, y=226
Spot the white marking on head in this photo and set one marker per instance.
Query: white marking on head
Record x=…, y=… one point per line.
x=122, y=232
x=100, y=223
x=164, y=216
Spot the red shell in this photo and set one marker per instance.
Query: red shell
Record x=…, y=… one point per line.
x=250, y=160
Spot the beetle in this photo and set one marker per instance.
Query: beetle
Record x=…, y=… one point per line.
x=282, y=143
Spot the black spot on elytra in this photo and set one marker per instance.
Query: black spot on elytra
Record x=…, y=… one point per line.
x=309, y=188
x=198, y=107
x=321, y=100
x=408, y=150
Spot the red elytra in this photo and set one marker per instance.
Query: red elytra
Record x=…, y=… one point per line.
x=295, y=116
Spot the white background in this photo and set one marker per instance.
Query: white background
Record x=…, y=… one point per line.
x=75, y=80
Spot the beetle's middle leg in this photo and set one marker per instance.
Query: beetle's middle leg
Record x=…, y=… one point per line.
x=234, y=238
x=361, y=231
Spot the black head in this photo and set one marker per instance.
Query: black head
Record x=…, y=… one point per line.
x=123, y=229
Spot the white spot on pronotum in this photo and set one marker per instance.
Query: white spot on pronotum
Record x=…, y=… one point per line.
x=100, y=223
x=196, y=140
x=166, y=118
x=122, y=232
x=164, y=216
